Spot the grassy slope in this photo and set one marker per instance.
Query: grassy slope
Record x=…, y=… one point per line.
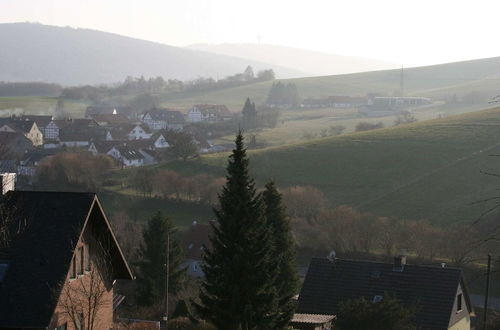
x=433, y=81
x=425, y=170
x=140, y=209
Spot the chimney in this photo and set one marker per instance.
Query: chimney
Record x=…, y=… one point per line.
x=399, y=263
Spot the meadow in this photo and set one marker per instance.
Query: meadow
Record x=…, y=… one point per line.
x=427, y=170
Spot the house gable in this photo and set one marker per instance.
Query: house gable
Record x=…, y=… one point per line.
x=37, y=267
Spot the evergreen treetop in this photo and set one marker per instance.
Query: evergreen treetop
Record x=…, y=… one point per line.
x=238, y=291
x=151, y=282
x=286, y=281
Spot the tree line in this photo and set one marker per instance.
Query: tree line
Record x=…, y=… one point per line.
x=158, y=85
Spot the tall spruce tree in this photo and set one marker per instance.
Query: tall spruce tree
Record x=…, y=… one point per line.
x=238, y=291
x=153, y=252
x=286, y=281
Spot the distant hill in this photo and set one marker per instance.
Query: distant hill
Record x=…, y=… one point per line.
x=35, y=52
x=315, y=63
x=479, y=79
x=427, y=170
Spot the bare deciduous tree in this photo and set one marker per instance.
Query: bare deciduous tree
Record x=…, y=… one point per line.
x=83, y=299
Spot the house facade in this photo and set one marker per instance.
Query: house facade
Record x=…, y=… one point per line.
x=127, y=156
x=438, y=293
x=139, y=132
x=158, y=119
x=60, y=267
x=209, y=113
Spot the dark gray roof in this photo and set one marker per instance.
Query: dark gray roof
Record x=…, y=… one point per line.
x=39, y=257
x=107, y=110
x=431, y=289
x=172, y=117
x=129, y=152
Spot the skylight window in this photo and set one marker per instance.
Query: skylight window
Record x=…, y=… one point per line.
x=3, y=270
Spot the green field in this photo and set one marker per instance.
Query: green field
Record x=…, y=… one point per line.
x=437, y=81
x=34, y=105
x=427, y=170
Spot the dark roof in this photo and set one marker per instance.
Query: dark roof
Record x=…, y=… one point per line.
x=22, y=126
x=431, y=289
x=41, y=121
x=104, y=146
x=7, y=165
x=172, y=117
x=10, y=137
x=31, y=158
x=39, y=257
x=129, y=152
x=195, y=239
x=79, y=131
x=101, y=110
x=110, y=119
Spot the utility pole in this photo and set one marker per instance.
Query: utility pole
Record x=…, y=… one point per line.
x=167, y=270
x=486, y=294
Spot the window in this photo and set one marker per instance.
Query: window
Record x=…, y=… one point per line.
x=73, y=268
x=79, y=258
x=87, y=257
x=62, y=327
x=459, y=302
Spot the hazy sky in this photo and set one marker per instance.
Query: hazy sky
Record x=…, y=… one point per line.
x=405, y=32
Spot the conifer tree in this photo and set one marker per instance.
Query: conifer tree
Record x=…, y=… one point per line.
x=286, y=281
x=151, y=282
x=238, y=291
x=249, y=110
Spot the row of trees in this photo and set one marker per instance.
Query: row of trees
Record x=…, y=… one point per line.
x=158, y=85
x=350, y=232
x=202, y=188
x=252, y=119
x=283, y=95
x=77, y=171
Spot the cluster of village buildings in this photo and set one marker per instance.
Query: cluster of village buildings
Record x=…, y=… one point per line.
x=131, y=139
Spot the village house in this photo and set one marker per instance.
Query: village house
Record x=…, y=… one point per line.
x=158, y=119
x=438, y=293
x=14, y=145
x=41, y=121
x=126, y=155
x=139, y=132
x=209, y=113
x=159, y=141
x=26, y=127
x=61, y=262
x=193, y=243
